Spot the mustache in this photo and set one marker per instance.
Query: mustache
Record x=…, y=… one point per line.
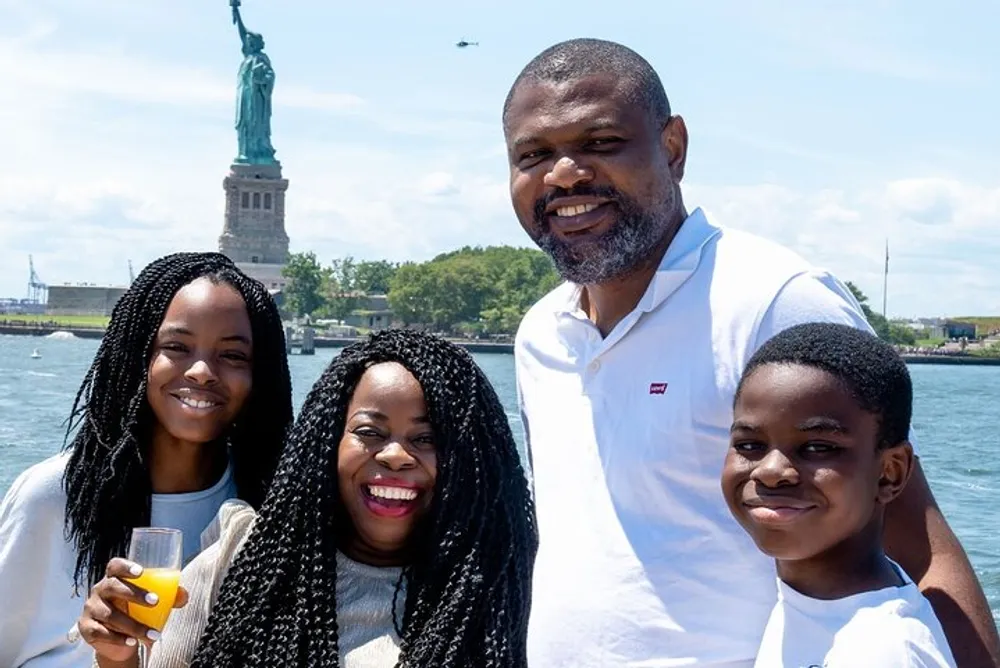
x=582, y=190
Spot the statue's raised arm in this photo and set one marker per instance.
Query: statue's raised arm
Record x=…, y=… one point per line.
x=238, y=20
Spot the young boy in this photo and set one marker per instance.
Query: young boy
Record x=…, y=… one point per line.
x=819, y=446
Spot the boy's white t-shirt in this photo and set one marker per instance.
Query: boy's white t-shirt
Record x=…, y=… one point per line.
x=893, y=627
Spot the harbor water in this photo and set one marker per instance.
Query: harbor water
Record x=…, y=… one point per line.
x=953, y=417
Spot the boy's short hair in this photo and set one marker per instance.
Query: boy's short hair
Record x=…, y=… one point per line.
x=869, y=368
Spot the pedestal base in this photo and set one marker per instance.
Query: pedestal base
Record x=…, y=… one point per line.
x=254, y=230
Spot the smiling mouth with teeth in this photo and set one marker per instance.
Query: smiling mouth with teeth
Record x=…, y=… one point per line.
x=390, y=501
x=197, y=403
x=566, y=211
x=384, y=493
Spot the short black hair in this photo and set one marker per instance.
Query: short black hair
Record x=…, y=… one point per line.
x=869, y=368
x=585, y=56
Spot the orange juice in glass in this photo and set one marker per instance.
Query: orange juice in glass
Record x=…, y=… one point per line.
x=162, y=582
x=158, y=551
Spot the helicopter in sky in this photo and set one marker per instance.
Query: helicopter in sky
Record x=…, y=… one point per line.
x=463, y=43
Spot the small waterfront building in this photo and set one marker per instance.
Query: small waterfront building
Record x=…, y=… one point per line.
x=83, y=299
x=373, y=313
x=954, y=329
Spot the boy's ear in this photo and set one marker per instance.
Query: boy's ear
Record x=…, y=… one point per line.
x=897, y=466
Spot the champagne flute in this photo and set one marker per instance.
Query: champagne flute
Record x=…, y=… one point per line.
x=158, y=551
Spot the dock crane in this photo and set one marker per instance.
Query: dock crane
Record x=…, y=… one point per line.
x=37, y=291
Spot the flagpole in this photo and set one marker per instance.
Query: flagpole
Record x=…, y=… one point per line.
x=885, y=278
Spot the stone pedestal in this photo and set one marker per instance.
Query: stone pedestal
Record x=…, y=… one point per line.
x=254, y=230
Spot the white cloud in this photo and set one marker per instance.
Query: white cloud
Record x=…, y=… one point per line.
x=438, y=184
x=118, y=75
x=944, y=237
x=379, y=206
x=948, y=202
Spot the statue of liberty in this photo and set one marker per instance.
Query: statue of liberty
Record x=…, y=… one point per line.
x=254, y=86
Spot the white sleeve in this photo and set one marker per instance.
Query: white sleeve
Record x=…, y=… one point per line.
x=890, y=643
x=814, y=296
x=31, y=515
x=878, y=654
x=922, y=656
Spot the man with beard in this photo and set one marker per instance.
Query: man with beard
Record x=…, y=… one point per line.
x=626, y=377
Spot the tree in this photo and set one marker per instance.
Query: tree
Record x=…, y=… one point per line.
x=862, y=299
x=893, y=332
x=472, y=289
x=902, y=334
x=342, y=290
x=307, y=278
x=526, y=277
x=410, y=293
x=441, y=293
x=374, y=277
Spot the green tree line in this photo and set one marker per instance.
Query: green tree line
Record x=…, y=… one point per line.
x=472, y=290
x=336, y=290
x=893, y=332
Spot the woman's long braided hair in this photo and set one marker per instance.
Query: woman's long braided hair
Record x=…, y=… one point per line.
x=107, y=481
x=468, y=587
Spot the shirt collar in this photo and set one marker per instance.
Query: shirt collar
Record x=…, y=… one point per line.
x=677, y=265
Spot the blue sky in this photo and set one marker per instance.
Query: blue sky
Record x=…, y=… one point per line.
x=827, y=126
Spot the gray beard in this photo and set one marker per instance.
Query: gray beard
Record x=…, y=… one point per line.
x=630, y=243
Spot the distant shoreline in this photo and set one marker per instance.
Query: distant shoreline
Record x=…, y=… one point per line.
x=319, y=341
x=469, y=344
x=951, y=360
x=45, y=330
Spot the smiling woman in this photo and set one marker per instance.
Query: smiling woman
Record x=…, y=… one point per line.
x=186, y=404
x=400, y=530
x=387, y=464
x=200, y=373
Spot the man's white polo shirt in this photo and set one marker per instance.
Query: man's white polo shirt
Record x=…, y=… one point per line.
x=640, y=562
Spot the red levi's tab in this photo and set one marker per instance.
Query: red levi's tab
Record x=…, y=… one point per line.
x=657, y=388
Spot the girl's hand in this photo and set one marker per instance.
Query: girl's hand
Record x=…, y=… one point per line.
x=104, y=623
